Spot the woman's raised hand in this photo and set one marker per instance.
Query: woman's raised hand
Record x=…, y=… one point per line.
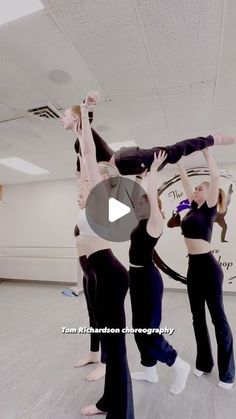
x=91, y=98
x=158, y=160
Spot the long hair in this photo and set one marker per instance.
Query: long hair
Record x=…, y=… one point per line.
x=221, y=200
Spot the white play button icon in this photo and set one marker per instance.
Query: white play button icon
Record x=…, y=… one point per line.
x=117, y=210
x=112, y=215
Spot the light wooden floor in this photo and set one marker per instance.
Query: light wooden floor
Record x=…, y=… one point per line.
x=37, y=378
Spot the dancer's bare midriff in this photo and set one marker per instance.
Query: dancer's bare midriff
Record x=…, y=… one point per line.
x=87, y=245
x=197, y=246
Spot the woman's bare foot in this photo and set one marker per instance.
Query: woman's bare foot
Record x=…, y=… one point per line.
x=221, y=139
x=91, y=358
x=91, y=410
x=112, y=160
x=98, y=373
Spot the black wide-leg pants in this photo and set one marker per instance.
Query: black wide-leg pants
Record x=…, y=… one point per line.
x=146, y=291
x=204, y=284
x=112, y=282
x=134, y=160
x=89, y=287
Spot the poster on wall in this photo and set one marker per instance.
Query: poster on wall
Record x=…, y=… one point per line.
x=174, y=262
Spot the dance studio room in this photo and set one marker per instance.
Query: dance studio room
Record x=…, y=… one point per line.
x=117, y=209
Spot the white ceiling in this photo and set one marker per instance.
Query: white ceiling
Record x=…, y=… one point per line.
x=166, y=71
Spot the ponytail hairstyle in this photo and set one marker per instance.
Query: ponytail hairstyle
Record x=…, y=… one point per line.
x=221, y=200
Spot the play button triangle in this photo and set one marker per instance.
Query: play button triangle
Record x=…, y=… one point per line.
x=117, y=210
x=112, y=208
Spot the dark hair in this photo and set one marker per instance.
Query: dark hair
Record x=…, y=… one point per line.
x=159, y=203
x=76, y=231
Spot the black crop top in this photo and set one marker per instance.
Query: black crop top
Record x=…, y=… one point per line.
x=103, y=151
x=142, y=245
x=198, y=222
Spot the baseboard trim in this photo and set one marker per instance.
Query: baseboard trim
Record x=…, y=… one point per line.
x=70, y=284
x=36, y=282
x=184, y=290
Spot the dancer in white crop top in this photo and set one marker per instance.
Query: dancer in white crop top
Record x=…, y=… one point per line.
x=112, y=283
x=84, y=227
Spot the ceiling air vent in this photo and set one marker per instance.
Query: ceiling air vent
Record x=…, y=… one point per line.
x=47, y=111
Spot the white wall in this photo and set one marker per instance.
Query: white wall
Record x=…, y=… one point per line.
x=37, y=222
x=37, y=219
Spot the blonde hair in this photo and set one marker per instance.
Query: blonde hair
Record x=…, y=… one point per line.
x=108, y=169
x=221, y=200
x=111, y=172
x=76, y=109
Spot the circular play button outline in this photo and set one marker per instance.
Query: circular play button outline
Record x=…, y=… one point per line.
x=110, y=208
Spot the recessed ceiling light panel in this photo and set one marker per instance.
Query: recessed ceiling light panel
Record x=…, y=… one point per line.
x=12, y=9
x=23, y=166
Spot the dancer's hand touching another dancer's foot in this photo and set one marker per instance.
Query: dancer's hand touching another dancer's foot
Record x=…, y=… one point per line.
x=91, y=98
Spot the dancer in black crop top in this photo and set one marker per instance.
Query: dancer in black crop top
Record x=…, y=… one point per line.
x=198, y=222
x=134, y=160
x=205, y=276
x=146, y=288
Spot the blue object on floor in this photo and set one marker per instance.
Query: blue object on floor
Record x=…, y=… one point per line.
x=67, y=293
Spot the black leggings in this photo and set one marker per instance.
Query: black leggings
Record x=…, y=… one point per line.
x=89, y=286
x=146, y=291
x=134, y=160
x=112, y=283
x=204, y=283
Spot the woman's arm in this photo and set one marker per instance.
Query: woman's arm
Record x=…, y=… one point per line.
x=156, y=221
x=82, y=174
x=88, y=149
x=213, y=191
x=81, y=177
x=185, y=181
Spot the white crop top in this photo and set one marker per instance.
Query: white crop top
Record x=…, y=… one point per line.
x=84, y=226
